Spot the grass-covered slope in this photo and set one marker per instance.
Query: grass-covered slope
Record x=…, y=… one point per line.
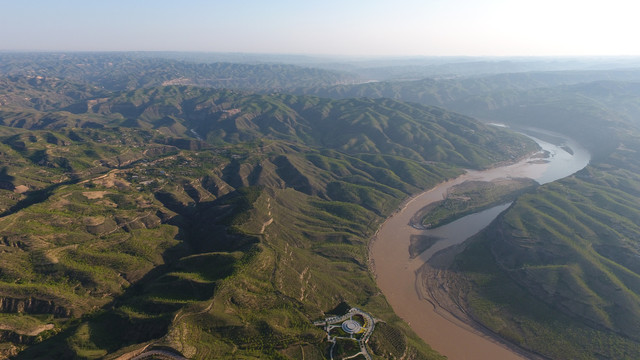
x=158, y=242
x=354, y=126
x=113, y=218
x=149, y=239
x=558, y=272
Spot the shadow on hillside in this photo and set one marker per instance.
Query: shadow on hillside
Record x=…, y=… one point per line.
x=36, y=197
x=6, y=180
x=162, y=292
x=208, y=226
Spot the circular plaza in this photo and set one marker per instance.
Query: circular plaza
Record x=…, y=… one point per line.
x=351, y=326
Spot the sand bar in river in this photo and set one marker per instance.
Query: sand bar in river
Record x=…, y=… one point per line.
x=396, y=274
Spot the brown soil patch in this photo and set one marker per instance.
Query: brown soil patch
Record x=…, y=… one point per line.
x=92, y=195
x=21, y=189
x=61, y=203
x=30, y=332
x=111, y=180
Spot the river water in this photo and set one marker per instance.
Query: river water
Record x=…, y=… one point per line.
x=396, y=272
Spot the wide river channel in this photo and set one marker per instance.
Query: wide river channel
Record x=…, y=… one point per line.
x=396, y=273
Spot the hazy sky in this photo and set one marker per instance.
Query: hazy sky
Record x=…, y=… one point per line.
x=335, y=27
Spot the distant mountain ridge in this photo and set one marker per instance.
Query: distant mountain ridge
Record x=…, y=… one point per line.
x=124, y=71
x=441, y=91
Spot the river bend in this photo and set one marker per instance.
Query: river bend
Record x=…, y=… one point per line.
x=396, y=273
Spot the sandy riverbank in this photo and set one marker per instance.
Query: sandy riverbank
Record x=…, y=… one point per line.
x=396, y=274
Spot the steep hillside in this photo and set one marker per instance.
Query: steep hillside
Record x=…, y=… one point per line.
x=217, y=223
x=558, y=272
x=586, y=104
x=135, y=234
x=353, y=126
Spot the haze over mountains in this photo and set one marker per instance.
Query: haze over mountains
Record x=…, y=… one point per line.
x=217, y=208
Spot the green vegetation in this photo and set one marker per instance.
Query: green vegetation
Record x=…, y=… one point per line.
x=222, y=242
x=557, y=273
x=137, y=195
x=355, y=126
x=473, y=196
x=499, y=302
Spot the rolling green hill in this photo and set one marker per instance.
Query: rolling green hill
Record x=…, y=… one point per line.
x=557, y=273
x=588, y=105
x=353, y=126
x=148, y=243
x=217, y=223
x=222, y=223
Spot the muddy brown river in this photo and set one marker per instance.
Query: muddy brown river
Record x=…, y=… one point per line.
x=395, y=271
